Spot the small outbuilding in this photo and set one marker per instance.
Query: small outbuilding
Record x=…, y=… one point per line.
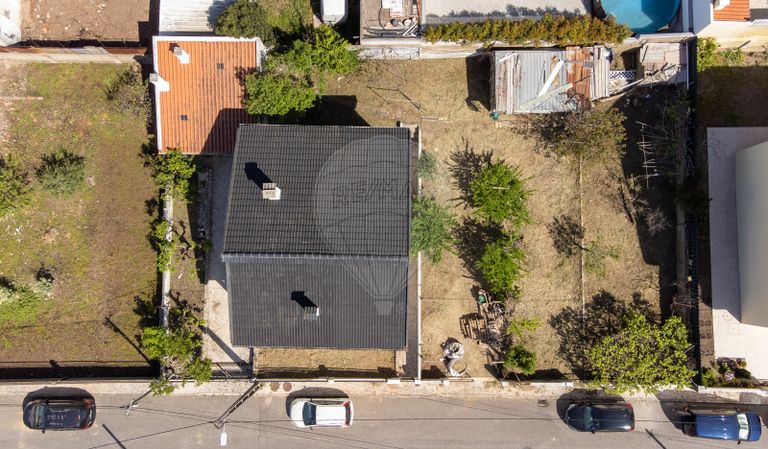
x=544, y=80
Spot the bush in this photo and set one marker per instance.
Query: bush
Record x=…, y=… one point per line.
x=642, y=355
x=521, y=326
x=276, y=94
x=62, y=173
x=558, y=30
x=245, y=19
x=15, y=192
x=593, y=135
x=293, y=19
x=172, y=172
x=706, y=53
x=501, y=266
x=166, y=248
x=128, y=92
x=596, y=256
x=20, y=304
x=427, y=165
x=178, y=349
x=431, y=229
x=499, y=195
x=517, y=358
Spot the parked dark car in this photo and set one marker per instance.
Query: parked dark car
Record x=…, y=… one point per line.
x=60, y=413
x=729, y=425
x=588, y=417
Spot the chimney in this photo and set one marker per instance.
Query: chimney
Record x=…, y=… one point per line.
x=160, y=84
x=311, y=312
x=270, y=191
x=181, y=54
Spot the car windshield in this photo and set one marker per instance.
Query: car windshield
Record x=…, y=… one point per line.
x=309, y=414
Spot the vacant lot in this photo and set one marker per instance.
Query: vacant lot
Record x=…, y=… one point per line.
x=93, y=242
x=66, y=20
x=448, y=99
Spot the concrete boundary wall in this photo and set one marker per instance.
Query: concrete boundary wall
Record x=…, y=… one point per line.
x=80, y=55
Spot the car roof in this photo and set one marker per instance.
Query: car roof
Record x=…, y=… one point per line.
x=613, y=416
x=330, y=415
x=726, y=426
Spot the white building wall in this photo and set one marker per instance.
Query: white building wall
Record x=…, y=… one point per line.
x=10, y=22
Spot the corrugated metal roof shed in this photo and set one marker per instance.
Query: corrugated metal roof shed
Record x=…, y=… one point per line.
x=190, y=16
x=547, y=80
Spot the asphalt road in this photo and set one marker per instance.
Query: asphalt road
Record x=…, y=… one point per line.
x=380, y=423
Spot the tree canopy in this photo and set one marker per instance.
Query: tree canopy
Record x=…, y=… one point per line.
x=593, y=135
x=431, y=228
x=501, y=265
x=245, y=19
x=643, y=355
x=499, y=195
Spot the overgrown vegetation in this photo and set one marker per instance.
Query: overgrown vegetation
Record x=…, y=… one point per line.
x=292, y=79
x=178, y=350
x=520, y=327
x=706, y=53
x=62, y=172
x=21, y=304
x=588, y=135
x=519, y=359
x=128, y=92
x=165, y=240
x=246, y=19
x=431, y=229
x=171, y=173
x=427, y=165
x=559, y=30
x=596, y=256
x=643, y=355
x=501, y=266
x=499, y=195
x=15, y=191
x=726, y=372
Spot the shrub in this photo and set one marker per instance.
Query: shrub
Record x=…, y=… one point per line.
x=642, y=355
x=178, y=350
x=521, y=326
x=431, y=229
x=128, y=93
x=20, y=304
x=62, y=173
x=517, y=358
x=733, y=57
x=501, y=266
x=499, y=195
x=558, y=30
x=596, y=256
x=172, y=172
x=593, y=135
x=277, y=94
x=15, y=192
x=245, y=18
x=166, y=247
x=293, y=19
x=706, y=53
x=427, y=165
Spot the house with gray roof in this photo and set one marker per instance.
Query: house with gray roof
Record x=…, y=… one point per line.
x=316, y=238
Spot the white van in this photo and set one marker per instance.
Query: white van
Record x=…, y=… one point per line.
x=333, y=11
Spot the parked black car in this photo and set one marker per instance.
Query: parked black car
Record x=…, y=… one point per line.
x=60, y=413
x=588, y=417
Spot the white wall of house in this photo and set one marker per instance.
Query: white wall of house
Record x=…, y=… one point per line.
x=10, y=22
x=728, y=34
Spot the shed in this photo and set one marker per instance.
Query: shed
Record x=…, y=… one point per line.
x=545, y=80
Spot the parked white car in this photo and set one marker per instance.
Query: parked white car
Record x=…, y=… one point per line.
x=321, y=412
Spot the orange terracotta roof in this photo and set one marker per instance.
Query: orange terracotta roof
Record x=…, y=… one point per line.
x=737, y=11
x=200, y=112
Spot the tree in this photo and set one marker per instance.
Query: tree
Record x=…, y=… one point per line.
x=178, y=350
x=517, y=358
x=248, y=19
x=277, y=94
x=128, y=92
x=642, y=355
x=62, y=173
x=590, y=135
x=499, y=195
x=324, y=51
x=501, y=265
x=15, y=191
x=172, y=172
x=431, y=228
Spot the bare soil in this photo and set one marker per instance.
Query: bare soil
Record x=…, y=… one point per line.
x=449, y=100
x=324, y=363
x=68, y=20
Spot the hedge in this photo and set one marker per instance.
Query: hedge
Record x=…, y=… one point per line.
x=558, y=30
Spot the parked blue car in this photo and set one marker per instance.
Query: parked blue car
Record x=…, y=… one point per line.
x=722, y=425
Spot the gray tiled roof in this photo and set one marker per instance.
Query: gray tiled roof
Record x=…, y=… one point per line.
x=344, y=191
x=362, y=303
x=338, y=237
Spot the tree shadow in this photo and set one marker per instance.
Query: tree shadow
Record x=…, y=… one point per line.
x=566, y=234
x=471, y=237
x=465, y=164
x=604, y=316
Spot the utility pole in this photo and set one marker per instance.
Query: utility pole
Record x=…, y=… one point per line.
x=219, y=422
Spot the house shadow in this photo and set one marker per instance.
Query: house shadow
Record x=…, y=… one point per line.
x=478, y=81
x=334, y=110
x=221, y=138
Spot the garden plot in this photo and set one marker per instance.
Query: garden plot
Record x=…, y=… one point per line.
x=448, y=99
